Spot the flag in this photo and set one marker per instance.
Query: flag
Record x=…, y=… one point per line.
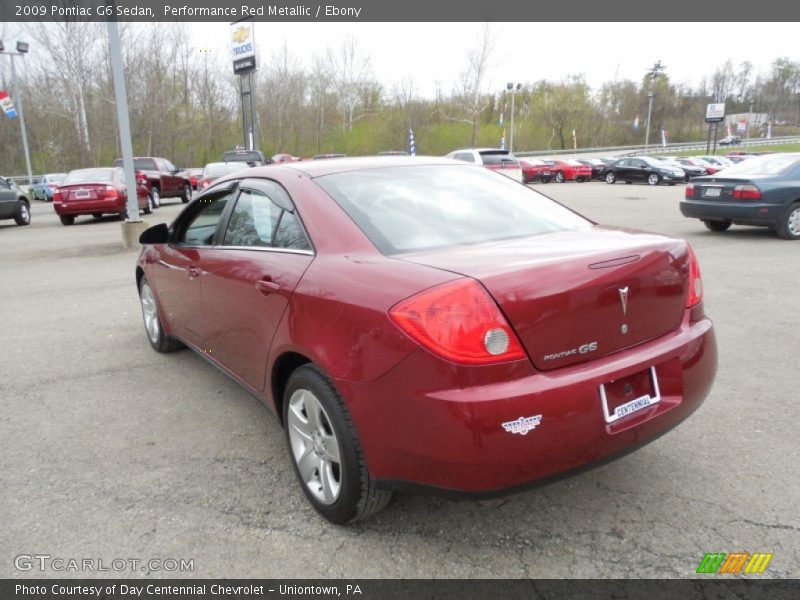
x=664, y=134
x=636, y=122
x=7, y=104
x=503, y=141
x=412, y=145
x=574, y=140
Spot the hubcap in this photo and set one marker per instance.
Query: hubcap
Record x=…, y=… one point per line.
x=794, y=222
x=26, y=215
x=156, y=199
x=653, y=179
x=314, y=445
x=151, y=324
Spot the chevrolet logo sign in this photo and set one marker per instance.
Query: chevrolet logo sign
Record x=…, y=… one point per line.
x=241, y=34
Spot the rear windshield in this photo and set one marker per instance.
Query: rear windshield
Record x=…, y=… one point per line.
x=496, y=158
x=772, y=164
x=249, y=156
x=89, y=176
x=406, y=209
x=140, y=164
x=214, y=170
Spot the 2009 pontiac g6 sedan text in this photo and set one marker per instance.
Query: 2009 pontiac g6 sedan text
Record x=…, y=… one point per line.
x=424, y=324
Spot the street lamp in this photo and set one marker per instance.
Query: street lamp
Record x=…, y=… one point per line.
x=657, y=68
x=22, y=49
x=514, y=89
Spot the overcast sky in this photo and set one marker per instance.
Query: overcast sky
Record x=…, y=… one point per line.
x=435, y=52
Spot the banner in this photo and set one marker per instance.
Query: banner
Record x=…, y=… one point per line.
x=7, y=104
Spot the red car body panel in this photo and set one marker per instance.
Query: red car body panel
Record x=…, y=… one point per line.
x=535, y=172
x=421, y=419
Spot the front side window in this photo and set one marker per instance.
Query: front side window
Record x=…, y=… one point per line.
x=252, y=221
x=201, y=227
x=257, y=221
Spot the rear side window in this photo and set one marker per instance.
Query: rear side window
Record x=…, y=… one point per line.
x=406, y=209
x=465, y=156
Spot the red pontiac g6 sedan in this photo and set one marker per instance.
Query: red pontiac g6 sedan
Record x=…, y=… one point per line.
x=428, y=324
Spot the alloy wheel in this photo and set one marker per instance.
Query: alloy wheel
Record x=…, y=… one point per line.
x=24, y=214
x=315, y=447
x=793, y=222
x=652, y=179
x=155, y=197
x=149, y=313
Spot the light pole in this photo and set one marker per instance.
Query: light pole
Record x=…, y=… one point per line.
x=514, y=89
x=22, y=49
x=657, y=68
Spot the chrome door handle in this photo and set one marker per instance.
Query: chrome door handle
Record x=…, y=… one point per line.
x=266, y=286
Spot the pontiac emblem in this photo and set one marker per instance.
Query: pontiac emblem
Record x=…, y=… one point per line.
x=623, y=298
x=522, y=425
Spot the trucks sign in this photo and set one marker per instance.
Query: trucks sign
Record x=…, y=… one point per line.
x=243, y=47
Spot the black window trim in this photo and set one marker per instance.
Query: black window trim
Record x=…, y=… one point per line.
x=217, y=190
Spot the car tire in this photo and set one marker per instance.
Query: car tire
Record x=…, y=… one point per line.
x=67, y=219
x=155, y=196
x=559, y=178
x=148, y=210
x=717, y=225
x=22, y=214
x=789, y=226
x=653, y=179
x=158, y=338
x=628, y=182
x=187, y=193
x=611, y=177
x=343, y=491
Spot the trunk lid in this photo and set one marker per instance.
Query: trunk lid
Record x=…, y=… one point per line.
x=569, y=294
x=83, y=191
x=718, y=188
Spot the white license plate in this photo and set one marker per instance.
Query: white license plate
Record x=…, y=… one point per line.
x=82, y=194
x=635, y=405
x=712, y=192
x=545, y=172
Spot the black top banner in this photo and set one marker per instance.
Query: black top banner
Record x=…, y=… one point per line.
x=677, y=11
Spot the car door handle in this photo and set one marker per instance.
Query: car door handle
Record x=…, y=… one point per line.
x=266, y=286
x=194, y=272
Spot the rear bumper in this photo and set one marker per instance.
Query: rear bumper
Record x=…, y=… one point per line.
x=88, y=207
x=433, y=425
x=756, y=213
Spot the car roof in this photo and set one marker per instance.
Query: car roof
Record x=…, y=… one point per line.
x=320, y=168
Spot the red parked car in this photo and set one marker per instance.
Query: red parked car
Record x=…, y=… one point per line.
x=97, y=192
x=534, y=169
x=416, y=323
x=569, y=170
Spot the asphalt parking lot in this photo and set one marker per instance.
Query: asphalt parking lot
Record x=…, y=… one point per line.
x=109, y=450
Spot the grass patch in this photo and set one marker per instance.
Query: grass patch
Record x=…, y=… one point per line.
x=723, y=150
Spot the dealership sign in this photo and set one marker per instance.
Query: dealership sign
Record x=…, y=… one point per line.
x=243, y=47
x=715, y=113
x=8, y=105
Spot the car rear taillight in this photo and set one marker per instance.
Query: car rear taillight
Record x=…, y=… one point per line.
x=460, y=322
x=746, y=192
x=688, y=191
x=695, y=282
x=111, y=192
x=57, y=196
x=204, y=184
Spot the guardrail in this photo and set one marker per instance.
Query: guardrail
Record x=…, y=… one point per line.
x=658, y=148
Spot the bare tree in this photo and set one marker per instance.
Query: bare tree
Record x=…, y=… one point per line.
x=352, y=72
x=470, y=91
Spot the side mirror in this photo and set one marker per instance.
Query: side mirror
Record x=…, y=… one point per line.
x=157, y=234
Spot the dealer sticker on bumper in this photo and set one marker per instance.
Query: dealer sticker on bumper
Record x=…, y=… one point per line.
x=522, y=425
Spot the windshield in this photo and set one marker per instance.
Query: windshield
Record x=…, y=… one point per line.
x=405, y=209
x=214, y=170
x=89, y=176
x=771, y=164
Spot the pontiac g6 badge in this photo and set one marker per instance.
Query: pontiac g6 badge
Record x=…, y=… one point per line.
x=522, y=425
